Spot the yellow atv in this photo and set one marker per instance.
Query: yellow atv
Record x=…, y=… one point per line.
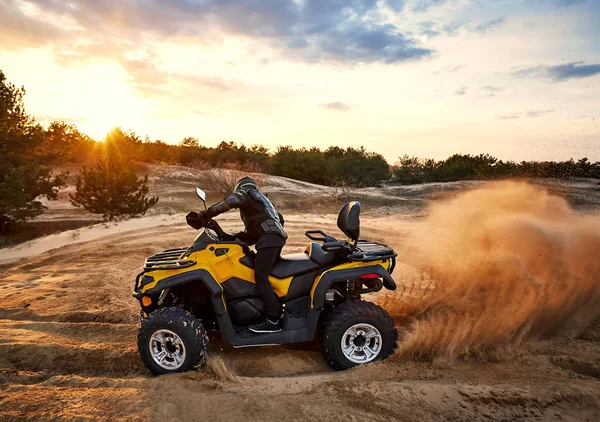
x=210, y=286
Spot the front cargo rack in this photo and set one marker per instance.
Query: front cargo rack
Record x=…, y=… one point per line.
x=366, y=251
x=171, y=259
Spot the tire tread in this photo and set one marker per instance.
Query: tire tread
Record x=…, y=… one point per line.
x=196, y=343
x=340, y=317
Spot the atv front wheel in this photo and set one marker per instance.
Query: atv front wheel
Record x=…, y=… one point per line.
x=172, y=340
x=356, y=333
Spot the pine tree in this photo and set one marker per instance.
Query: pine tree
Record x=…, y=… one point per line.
x=112, y=188
x=23, y=178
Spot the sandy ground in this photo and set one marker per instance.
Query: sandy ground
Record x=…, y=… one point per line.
x=68, y=346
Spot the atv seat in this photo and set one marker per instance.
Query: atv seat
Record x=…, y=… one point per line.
x=313, y=258
x=287, y=265
x=316, y=253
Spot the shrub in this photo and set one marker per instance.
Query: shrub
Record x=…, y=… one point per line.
x=112, y=188
x=223, y=180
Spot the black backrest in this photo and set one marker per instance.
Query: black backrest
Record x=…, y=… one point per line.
x=349, y=220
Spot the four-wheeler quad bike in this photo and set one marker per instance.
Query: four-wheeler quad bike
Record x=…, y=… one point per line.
x=210, y=286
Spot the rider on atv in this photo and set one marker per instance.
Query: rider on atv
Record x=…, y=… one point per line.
x=264, y=228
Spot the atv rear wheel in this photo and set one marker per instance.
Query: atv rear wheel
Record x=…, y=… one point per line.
x=172, y=340
x=356, y=333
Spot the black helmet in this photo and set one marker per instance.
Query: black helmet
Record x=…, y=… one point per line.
x=245, y=183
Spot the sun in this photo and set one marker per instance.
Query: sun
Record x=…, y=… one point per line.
x=104, y=100
x=108, y=111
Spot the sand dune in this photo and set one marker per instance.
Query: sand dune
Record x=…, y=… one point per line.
x=68, y=331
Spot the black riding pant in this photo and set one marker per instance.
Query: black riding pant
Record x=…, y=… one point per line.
x=265, y=259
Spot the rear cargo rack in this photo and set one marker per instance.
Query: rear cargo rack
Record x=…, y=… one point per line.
x=171, y=259
x=366, y=251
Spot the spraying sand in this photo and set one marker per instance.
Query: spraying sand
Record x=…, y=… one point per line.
x=510, y=262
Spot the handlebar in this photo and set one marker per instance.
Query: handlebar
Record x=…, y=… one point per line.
x=196, y=222
x=214, y=226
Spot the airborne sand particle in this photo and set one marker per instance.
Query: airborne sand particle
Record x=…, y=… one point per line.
x=510, y=262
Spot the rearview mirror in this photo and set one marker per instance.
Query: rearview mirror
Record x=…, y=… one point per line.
x=201, y=194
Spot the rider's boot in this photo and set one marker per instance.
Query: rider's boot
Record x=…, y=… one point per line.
x=267, y=326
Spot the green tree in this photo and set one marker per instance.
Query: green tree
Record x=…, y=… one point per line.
x=127, y=143
x=190, y=151
x=112, y=188
x=334, y=167
x=357, y=167
x=64, y=143
x=23, y=179
x=409, y=170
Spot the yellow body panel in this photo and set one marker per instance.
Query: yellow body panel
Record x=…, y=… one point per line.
x=227, y=266
x=385, y=264
x=222, y=268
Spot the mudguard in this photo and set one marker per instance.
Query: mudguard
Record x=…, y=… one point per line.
x=324, y=282
x=197, y=275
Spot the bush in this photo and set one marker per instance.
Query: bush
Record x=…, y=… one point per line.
x=343, y=192
x=223, y=180
x=112, y=188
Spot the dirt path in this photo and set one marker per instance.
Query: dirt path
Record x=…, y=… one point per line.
x=68, y=352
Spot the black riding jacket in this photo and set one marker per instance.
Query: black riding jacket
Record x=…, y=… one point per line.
x=264, y=225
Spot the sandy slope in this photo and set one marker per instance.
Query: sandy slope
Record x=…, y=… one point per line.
x=67, y=351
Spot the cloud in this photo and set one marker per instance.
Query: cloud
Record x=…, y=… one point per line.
x=489, y=90
x=452, y=28
x=147, y=77
x=530, y=114
x=455, y=68
x=428, y=28
x=449, y=69
x=573, y=70
x=487, y=26
x=18, y=29
x=485, y=91
x=562, y=72
x=337, y=106
x=206, y=113
x=396, y=5
x=558, y=3
x=511, y=116
x=312, y=30
x=49, y=119
x=369, y=43
x=569, y=3
x=424, y=5
x=536, y=113
x=217, y=83
x=455, y=28
x=430, y=33
x=528, y=70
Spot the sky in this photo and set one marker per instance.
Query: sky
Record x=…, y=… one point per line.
x=518, y=79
